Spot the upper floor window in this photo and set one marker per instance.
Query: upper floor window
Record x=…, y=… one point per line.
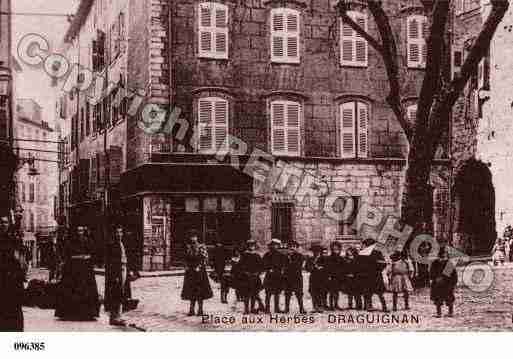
x=417, y=28
x=285, y=35
x=286, y=128
x=353, y=47
x=213, y=30
x=354, y=129
x=213, y=118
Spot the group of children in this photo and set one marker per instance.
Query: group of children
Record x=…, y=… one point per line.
x=358, y=273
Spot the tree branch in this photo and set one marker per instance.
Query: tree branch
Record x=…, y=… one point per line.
x=390, y=58
x=435, y=52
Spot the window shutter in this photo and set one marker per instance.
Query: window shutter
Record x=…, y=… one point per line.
x=347, y=115
x=480, y=73
x=363, y=125
x=293, y=128
x=221, y=32
x=353, y=47
x=213, y=30
x=412, y=113
x=221, y=125
x=278, y=127
x=205, y=114
x=285, y=36
x=417, y=47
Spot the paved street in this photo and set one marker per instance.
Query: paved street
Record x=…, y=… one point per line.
x=161, y=309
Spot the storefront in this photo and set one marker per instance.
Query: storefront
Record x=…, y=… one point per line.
x=213, y=200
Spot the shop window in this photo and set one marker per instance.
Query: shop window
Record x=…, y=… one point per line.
x=192, y=205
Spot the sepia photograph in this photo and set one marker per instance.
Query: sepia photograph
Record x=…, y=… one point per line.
x=230, y=166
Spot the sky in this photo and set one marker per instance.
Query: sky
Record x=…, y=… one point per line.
x=34, y=83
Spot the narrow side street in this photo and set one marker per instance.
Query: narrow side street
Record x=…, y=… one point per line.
x=161, y=309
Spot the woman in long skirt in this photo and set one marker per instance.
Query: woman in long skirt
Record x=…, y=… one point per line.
x=78, y=292
x=196, y=286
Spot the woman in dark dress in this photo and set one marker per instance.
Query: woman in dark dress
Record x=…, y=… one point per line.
x=78, y=292
x=196, y=286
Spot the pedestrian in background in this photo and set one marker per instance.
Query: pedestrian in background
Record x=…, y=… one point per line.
x=77, y=297
x=400, y=274
x=444, y=277
x=196, y=286
x=12, y=276
x=274, y=263
x=293, y=277
x=117, y=276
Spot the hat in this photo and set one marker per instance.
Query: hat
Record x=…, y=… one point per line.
x=316, y=247
x=396, y=256
x=275, y=241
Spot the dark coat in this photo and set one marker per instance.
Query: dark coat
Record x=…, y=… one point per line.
x=335, y=266
x=319, y=279
x=293, y=274
x=220, y=256
x=274, y=265
x=117, y=288
x=77, y=296
x=249, y=268
x=352, y=277
x=443, y=283
x=12, y=276
x=371, y=268
x=196, y=285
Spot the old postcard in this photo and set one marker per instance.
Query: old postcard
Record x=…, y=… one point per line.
x=255, y=165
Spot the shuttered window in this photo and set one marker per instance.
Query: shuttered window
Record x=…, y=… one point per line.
x=417, y=28
x=353, y=47
x=285, y=40
x=213, y=30
x=412, y=113
x=213, y=116
x=286, y=128
x=354, y=118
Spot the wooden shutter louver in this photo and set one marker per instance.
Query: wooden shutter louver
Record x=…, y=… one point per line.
x=417, y=30
x=348, y=145
x=363, y=125
x=213, y=119
x=286, y=128
x=278, y=127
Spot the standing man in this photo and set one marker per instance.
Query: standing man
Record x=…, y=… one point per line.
x=294, y=277
x=117, y=278
x=12, y=276
x=274, y=266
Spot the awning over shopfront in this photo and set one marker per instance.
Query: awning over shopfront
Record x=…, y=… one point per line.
x=181, y=178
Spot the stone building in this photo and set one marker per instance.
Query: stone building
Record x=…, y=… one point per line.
x=282, y=81
x=37, y=183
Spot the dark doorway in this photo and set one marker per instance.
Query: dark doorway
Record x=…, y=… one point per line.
x=282, y=221
x=474, y=212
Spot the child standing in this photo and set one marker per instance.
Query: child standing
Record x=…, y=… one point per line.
x=400, y=273
x=335, y=268
x=444, y=278
x=352, y=286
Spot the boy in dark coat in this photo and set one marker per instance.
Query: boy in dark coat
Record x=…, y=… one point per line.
x=294, y=277
x=249, y=283
x=220, y=256
x=372, y=264
x=316, y=265
x=12, y=276
x=274, y=265
x=444, y=277
x=335, y=267
x=352, y=281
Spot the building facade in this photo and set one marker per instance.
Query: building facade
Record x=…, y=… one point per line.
x=265, y=96
x=37, y=183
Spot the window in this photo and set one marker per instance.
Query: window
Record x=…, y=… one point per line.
x=354, y=129
x=212, y=124
x=353, y=47
x=285, y=128
x=282, y=221
x=348, y=208
x=417, y=47
x=23, y=194
x=32, y=192
x=411, y=112
x=213, y=30
x=285, y=35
